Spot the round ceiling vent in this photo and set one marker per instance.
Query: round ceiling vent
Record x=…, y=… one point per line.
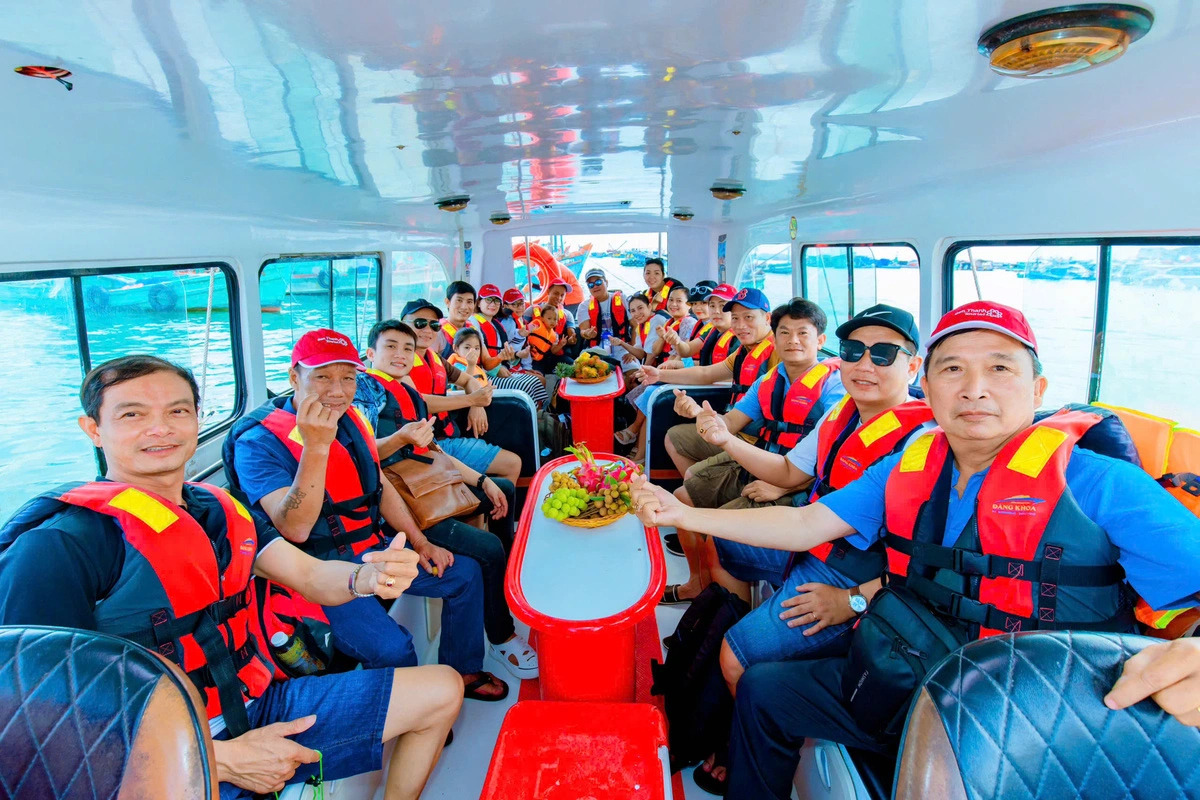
x=500, y=218
x=683, y=214
x=1060, y=41
x=727, y=191
x=455, y=202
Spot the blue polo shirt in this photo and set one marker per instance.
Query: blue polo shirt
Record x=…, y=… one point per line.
x=831, y=392
x=1157, y=538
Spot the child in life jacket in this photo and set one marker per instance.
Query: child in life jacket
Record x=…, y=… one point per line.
x=468, y=345
x=540, y=337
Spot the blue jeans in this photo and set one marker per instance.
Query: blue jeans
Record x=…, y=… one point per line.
x=475, y=453
x=749, y=563
x=363, y=630
x=351, y=708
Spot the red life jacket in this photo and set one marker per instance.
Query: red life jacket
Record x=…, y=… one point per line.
x=558, y=326
x=748, y=364
x=449, y=329
x=429, y=376
x=658, y=300
x=493, y=335
x=616, y=313
x=791, y=414
x=716, y=347
x=1028, y=545
x=404, y=405
x=675, y=325
x=844, y=452
x=350, y=520
x=702, y=331
x=173, y=598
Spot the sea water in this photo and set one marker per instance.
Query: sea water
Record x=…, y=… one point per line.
x=1147, y=362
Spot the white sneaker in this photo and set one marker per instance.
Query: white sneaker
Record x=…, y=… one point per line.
x=517, y=656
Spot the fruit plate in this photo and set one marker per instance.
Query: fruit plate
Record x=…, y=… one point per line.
x=594, y=522
x=601, y=379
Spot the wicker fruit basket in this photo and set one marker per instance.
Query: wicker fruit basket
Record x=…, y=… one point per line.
x=590, y=495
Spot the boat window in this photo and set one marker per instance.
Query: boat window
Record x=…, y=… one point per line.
x=847, y=278
x=302, y=293
x=76, y=321
x=1153, y=295
x=1055, y=286
x=768, y=267
x=415, y=275
x=538, y=259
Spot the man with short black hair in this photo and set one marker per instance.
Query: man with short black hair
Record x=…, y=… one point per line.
x=170, y=565
x=460, y=305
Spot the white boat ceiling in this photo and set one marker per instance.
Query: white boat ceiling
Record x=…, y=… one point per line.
x=297, y=110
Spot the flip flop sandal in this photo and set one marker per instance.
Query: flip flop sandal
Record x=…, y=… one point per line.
x=707, y=782
x=671, y=542
x=670, y=596
x=625, y=436
x=518, y=658
x=471, y=690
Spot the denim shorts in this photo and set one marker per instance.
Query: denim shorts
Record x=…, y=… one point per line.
x=351, y=709
x=475, y=453
x=762, y=636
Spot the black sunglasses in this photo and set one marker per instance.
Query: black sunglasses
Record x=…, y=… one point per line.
x=882, y=353
x=434, y=325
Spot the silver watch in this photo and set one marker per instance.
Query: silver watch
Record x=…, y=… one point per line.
x=858, y=603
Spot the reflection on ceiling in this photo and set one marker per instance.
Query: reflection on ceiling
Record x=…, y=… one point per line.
x=370, y=110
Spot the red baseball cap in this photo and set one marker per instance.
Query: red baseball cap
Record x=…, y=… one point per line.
x=559, y=282
x=490, y=290
x=724, y=291
x=984, y=315
x=324, y=346
x=514, y=295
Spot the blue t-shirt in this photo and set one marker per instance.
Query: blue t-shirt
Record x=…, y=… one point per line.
x=1158, y=539
x=831, y=392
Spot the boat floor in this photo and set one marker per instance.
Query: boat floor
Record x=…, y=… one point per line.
x=460, y=773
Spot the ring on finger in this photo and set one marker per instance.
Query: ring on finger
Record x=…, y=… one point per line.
x=390, y=582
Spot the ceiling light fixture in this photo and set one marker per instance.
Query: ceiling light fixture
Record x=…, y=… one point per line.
x=500, y=218
x=727, y=190
x=455, y=202
x=50, y=73
x=1063, y=40
x=683, y=214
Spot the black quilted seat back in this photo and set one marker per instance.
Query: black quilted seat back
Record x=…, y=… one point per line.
x=1023, y=716
x=85, y=715
x=514, y=427
x=662, y=418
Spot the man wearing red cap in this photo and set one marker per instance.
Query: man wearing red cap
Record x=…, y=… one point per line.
x=998, y=522
x=309, y=463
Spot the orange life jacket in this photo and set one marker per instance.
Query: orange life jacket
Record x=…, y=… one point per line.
x=788, y=415
x=429, y=376
x=476, y=372
x=540, y=338
x=748, y=364
x=716, y=347
x=350, y=521
x=616, y=312
x=1028, y=545
x=172, y=597
x=558, y=326
x=844, y=452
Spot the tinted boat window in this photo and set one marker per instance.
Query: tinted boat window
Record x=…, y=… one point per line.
x=179, y=313
x=415, y=275
x=769, y=267
x=886, y=274
x=1055, y=286
x=300, y=294
x=827, y=283
x=1154, y=294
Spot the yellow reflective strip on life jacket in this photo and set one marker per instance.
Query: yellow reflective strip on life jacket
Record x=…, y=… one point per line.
x=879, y=428
x=378, y=373
x=241, y=509
x=366, y=422
x=813, y=375
x=916, y=454
x=296, y=437
x=837, y=409
x=1037, y=449
x=145, y=508
x=763, y=345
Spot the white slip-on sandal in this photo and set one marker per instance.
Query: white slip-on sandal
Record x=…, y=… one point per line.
x=517, y=656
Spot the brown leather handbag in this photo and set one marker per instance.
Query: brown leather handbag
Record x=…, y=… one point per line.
x=431, y=486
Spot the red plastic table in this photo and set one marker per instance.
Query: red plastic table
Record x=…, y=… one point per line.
x=592, y=409
x=583, y=590
x=567, y=751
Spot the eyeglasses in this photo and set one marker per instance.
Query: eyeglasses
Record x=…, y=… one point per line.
x=882, y=353
x=432, y=324
x=592, y=283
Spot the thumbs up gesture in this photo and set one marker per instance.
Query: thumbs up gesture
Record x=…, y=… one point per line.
x=388, y=572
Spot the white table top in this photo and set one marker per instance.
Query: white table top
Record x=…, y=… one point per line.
x=575, y=390
x=583, y=573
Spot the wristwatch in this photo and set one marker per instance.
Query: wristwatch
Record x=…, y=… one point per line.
x=858, y=603
x=482, y=477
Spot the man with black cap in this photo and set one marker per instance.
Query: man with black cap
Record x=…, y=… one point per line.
x=603, y=311
x=1019, y=526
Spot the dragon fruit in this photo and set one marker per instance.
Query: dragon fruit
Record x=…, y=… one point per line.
x=590, y=475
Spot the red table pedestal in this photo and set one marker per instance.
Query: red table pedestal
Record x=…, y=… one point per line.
x=592, y=410
x=583, y=591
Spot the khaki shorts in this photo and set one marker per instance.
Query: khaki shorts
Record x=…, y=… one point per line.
x=717, y=482
x=690, y=444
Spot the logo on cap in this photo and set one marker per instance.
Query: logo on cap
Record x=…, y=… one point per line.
x=741, y=295
x=338, y=340
x=993, y=313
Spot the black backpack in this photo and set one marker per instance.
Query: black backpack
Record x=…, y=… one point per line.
x=698, y=704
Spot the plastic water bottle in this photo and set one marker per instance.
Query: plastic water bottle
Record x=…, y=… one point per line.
x=605, y=336
x=291, y=652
